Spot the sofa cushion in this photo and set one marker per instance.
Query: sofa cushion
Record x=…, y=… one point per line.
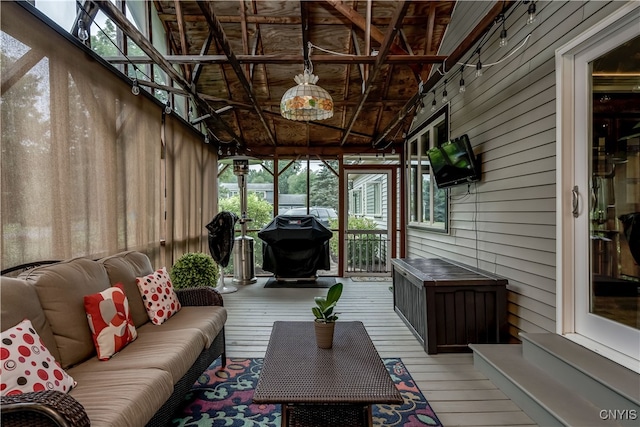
x=123, y=398
x=61, y=288
x=110, y=321
x=209, y=320
x=123, y=268
x=158, y=296
x=19, y=301
x=171, y=351
x=27, y=365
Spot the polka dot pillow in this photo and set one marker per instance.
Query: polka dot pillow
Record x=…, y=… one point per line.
x=27, y=365
x=110, y=321
x=158, y=296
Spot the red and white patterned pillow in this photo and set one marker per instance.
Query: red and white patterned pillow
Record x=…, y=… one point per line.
x=27, y=365
x=158, y=296
x=110, y=321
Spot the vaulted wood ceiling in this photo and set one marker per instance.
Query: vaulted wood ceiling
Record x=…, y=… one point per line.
x=244, y=54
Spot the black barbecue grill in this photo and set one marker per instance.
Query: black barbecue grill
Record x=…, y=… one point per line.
x=295, y=246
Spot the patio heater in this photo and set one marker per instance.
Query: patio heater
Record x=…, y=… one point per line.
x=243, y=257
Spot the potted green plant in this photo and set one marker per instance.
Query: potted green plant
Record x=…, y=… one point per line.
x=194, y=269
x=325, y=317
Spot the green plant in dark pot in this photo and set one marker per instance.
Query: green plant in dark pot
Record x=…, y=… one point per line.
x=194, y=269
x=325, y=316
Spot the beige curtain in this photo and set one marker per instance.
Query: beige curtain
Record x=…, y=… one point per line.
x=82, y=167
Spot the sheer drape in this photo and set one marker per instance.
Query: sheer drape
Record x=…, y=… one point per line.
x=82, y=167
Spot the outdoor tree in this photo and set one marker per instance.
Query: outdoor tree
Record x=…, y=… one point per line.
x=283, y=178
x=323, y=190
x=103, y=42
x=298, y=182
x=259, y=210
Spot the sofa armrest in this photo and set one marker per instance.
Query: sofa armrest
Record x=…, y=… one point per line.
x=44, y=408
x=199, y=296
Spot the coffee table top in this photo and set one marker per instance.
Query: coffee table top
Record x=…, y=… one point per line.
x=295, y=370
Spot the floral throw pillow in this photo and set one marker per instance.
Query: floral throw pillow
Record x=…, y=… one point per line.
x=158, y=296
x=27, y=365
x=110, y=321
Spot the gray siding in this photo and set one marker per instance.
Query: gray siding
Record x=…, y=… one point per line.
x=507, y=224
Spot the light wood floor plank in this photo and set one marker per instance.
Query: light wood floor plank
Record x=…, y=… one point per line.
x=459, y=394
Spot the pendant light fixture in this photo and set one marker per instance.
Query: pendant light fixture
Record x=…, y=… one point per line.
x=306, y=101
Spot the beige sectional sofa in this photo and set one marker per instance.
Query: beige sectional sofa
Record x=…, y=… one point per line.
x=141, y=385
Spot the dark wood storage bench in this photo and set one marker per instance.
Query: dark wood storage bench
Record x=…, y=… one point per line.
x=447, y=305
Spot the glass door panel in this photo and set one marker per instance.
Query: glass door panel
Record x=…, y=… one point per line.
x=614, y=215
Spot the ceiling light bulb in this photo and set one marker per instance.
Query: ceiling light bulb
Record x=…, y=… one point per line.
x=503, y=37
x=135, y=89
x=433, y=105
x=83, y=34
x=167, y=107
x=445, y=98
x=462, y=86
x=479, y=69
x=532, y=13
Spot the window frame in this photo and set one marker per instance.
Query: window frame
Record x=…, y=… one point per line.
x=355, y=194
x=418, y=164
x=376, y=193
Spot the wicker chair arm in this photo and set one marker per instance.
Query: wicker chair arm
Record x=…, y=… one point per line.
x=199, y=296
x=45, y=408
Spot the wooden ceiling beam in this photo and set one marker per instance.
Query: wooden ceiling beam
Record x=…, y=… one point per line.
x=304, y=22
x=359, y=21
x=183, y=37
x=197, y=70
x=465, y=46
x=218, y=32
x=324, y=151
x=245, y=34
x=281, y=59
x=276, y=102
x=385, y=47
x=132, y=32
x=428, y=43
x=296, y=20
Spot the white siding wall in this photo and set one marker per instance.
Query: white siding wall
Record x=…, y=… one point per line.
x=507, y=224
x=361, y=183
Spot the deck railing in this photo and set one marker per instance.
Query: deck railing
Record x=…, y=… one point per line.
x=367, y=251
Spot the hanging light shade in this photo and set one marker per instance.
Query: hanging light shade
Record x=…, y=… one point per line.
x=306, y=101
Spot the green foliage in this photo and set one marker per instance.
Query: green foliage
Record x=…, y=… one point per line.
x=194, y=269
x=323, y=190
x=323, y=311
x=298, y=183
x=364, y=249
x=104, y=43
x=283, y=177
x=259, y=210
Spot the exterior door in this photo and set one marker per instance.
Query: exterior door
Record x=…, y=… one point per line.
x=600, y=264
x=368, y=222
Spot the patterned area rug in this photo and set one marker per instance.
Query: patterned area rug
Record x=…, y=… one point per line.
x=222, y=397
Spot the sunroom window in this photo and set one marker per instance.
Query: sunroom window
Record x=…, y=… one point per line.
x=427, y=203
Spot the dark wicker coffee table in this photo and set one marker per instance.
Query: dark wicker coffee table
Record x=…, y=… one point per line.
x=324, y=387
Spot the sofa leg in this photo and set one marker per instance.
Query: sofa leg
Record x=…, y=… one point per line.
x=224, y=359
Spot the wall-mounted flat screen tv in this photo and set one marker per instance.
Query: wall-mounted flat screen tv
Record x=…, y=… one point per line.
x=454, y=163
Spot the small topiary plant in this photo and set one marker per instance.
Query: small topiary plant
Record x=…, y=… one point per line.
x=194, y=269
